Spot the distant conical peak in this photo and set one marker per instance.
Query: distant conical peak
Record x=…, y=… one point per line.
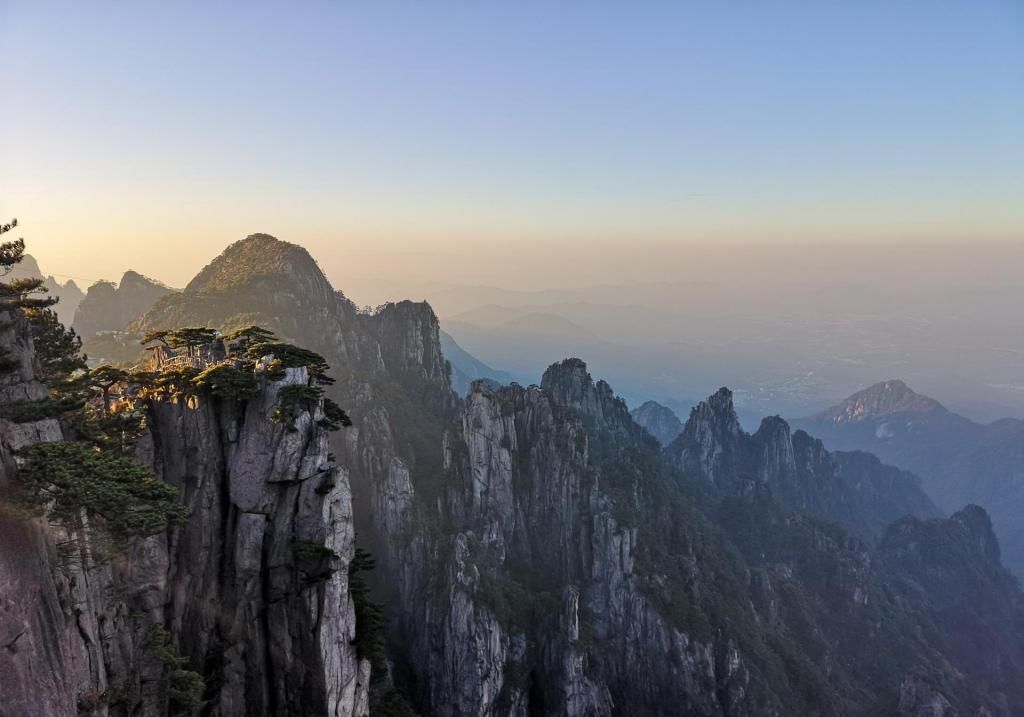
x=883, y=399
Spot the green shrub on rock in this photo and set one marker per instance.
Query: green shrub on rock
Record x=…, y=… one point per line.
x=65, y=481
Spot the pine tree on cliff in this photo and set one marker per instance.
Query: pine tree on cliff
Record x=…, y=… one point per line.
x=20, y=293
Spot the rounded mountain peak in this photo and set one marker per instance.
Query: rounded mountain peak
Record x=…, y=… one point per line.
x=568, y=375
x=256, y=255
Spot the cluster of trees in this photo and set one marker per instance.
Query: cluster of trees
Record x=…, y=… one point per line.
x=19, y=293
x=89, y=484
x=234, y=378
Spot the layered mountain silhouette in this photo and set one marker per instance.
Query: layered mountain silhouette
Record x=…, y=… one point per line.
x=538, y=551
x=110, y=307
x=852, y=489
x=958, y=460
x=466, y=368
x=68, y=294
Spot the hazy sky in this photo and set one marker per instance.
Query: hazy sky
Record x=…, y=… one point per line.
x=151, y=135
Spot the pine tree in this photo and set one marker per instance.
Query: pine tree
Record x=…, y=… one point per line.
x=20, y=293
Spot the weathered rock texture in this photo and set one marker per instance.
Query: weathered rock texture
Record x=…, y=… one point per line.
x=538, y=553
x=269, y=626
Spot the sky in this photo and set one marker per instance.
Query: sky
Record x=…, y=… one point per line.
x=150, y=135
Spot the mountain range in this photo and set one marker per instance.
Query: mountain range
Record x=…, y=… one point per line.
x=959, y=460
x=110, y=307
x=537, y=550
x=68, y=294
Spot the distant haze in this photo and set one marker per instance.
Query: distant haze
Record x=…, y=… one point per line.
x=794, y=199
x=792, y=327
x=155, y=133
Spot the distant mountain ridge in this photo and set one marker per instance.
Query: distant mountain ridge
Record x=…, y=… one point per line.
x=958, y=460
x=110, y=307
x=660, y=421
x=882, y=399
x=854, y=490
x=466, y=368
x=538, y=552
x=68, y=294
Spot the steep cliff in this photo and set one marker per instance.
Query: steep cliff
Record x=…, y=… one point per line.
x=539, y=553
x=250, y=594
x=954, y=566
x=560, y=567
x=48, y=655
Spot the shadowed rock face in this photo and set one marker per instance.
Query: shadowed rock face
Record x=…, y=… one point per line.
x=44, y=659
x=538, y=552
x=660, y=421
x=954, y=565
x=279, y=625
x=272, y=634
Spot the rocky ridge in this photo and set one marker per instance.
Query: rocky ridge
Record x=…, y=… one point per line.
x=852, y=489
x=539, y=553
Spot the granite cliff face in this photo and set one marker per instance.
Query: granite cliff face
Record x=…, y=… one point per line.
x=46, y=656
x=516, y=587
x=561, y=567
x=538, y=551
x=955, y=566
x=269, y=627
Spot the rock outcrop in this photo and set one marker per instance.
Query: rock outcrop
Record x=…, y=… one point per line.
x=538, y=551
x=250, y=592
x=954, y=566
x=559, y=567
x=48, y=655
